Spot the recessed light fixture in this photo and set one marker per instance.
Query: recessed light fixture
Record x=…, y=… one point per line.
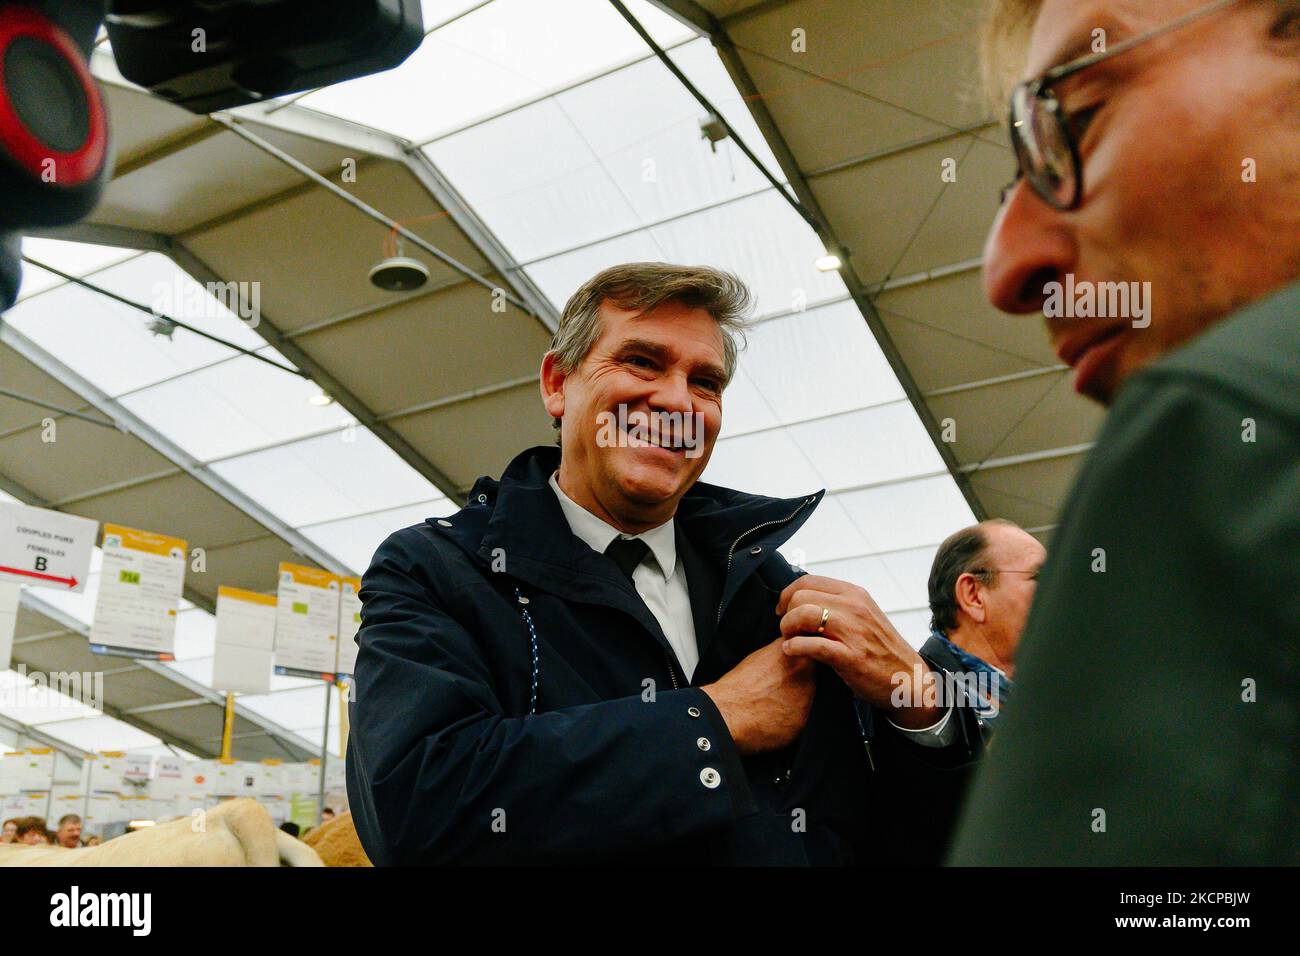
x=828, y=263
x=320, y=398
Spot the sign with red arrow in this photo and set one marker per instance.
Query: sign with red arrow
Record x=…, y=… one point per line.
x=44, y=548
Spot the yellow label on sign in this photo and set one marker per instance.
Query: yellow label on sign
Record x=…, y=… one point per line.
x=301, y=574
x=252, y=597
x=148, y=541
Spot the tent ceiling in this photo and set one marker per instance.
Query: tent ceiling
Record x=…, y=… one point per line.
x=862, y=119
x=549, y=185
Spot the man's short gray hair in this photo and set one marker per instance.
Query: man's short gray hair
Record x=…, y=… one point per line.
x=642, y=286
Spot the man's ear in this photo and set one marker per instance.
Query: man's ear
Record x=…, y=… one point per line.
x=969, y=598
x=552, y=379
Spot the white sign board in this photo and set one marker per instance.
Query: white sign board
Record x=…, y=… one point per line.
x=245, y=639
x=139, y=592
x=45, y=548
x=170, y=779
x=306, y=622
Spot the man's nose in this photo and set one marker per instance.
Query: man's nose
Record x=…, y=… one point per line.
x=1030, y=245
x=671, y=394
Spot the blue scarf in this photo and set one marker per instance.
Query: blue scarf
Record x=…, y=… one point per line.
x=978, y=665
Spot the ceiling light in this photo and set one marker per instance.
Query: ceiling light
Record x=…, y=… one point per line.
x=320, y=398
x=828, y=263
x=399, y=274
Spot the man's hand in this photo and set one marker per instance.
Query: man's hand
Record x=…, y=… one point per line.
x=859, y=643
x=765, y=699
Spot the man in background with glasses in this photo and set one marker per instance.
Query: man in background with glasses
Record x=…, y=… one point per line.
x=1157, y=703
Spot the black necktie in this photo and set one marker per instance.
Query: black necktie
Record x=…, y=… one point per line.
x=627, y=553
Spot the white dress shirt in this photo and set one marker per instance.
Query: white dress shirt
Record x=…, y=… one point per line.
x=660, y=578
x=661, y=582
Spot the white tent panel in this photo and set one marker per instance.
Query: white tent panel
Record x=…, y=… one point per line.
x=762, y=240
x=768, y=463
x=75, y=258
x=196, y=634
x=541, y=201
x=828, y=535
x=354, y=540
x=560, y=276
x=909, y=514
x=499, y=55
x=235, y=407
x=289, y=707
x=100, y=733
x=871, y=445
x=818, y=362
x=317, y=479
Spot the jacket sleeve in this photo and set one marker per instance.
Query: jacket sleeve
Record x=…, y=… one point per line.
x=437, y=773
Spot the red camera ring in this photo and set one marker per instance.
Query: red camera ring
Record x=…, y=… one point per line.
x=72, y=168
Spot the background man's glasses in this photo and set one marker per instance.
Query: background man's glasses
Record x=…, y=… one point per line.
x=1046, y=138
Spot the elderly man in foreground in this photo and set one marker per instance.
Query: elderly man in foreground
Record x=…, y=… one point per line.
x=1158, y=692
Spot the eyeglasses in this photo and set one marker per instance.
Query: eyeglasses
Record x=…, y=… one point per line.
x=1046, y=138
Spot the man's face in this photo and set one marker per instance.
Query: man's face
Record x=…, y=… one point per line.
x=667, y=361
x=1182, y=124
x=70, y=834
x=9, y=830
x=1017, y=556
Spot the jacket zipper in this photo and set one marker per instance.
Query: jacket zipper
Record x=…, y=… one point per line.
x=757, y=527
x=672, y=671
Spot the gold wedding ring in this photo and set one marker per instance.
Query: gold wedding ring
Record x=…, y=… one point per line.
x=826, y=616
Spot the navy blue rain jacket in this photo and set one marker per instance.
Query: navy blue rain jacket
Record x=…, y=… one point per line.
x=618, y=759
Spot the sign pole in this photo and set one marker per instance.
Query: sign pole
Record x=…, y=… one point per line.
x=324, y=756
x=229, y=727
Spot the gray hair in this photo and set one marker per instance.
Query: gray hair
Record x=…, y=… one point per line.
x=643, y=286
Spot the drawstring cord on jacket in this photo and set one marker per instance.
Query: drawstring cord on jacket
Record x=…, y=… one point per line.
x=532, y=639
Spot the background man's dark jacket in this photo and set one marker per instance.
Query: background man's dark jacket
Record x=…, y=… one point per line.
x=1130, y=681
x=446, y=764
x=924, y=797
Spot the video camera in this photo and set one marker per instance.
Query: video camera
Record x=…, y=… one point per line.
x=202, y=55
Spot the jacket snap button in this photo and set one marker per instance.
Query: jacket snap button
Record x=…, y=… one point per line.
x=693, y=711
x=756, y=549
x=703, y=743
x=522, y=599
x=444, y=522
x=710, y=778
x=482, y=499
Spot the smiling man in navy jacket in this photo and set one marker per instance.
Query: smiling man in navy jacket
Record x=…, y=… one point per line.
x=586, y=663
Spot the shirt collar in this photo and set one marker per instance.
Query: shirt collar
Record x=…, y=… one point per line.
x=597, y=533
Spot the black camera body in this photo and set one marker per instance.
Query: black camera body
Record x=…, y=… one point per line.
x=202, y=55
